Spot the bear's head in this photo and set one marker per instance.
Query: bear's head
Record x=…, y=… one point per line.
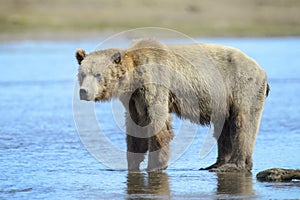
x=100, y=73
x=110, y=73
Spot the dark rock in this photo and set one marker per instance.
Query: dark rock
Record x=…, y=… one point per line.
x=278, y=175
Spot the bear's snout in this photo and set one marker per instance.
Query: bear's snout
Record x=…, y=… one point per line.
x=83, y=94
x=88, y=88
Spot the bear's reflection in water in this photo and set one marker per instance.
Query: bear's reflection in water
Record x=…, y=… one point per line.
x=146, y=185
x=156, y=186
x=238, y=184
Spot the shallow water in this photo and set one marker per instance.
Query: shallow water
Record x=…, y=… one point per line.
x=42, y=155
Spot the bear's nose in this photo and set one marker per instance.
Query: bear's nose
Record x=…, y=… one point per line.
x=83, y=94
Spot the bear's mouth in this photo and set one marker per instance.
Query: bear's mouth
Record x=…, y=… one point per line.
x=101, y=97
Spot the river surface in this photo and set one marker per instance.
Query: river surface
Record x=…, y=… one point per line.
x=42, y=156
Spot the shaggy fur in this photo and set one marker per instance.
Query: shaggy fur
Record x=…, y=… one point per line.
x=205, y=83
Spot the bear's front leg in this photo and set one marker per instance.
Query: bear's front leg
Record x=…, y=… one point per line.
x=136, y=150
x=137, y=144
x=159, y=148
x=159, y=129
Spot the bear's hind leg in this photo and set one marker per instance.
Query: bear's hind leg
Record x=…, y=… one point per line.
x=242, y=135
x=254, y=124
x=224, y=147
x=243, y=130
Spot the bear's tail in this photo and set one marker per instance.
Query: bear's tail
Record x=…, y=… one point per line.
x=267, y=89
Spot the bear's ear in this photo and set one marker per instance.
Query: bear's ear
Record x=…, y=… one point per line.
x=80, y=55
x=116, y=58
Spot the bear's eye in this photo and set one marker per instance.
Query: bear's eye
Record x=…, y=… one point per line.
x=116, y=58
x=98, y=76
x=81, y=76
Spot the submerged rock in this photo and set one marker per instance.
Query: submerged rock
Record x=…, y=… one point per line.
x=278, y=175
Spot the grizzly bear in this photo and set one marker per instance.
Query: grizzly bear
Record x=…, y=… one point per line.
x=207, y=84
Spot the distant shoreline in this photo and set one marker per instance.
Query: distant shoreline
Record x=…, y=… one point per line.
x=53, y=36
x=77, y=20
x=89, y=35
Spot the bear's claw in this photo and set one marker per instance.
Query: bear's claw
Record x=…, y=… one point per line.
x=229, y=167
x=216, y=165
